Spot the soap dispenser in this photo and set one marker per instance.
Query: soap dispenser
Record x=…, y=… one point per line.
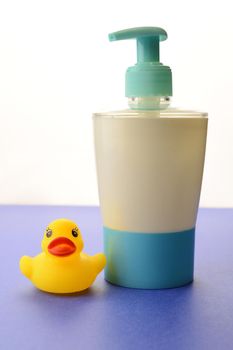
x=149, y=160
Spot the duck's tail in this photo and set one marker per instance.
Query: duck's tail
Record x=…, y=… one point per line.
x=25, y=266
x=100, y=261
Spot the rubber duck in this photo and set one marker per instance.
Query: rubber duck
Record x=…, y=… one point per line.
x=62, y=267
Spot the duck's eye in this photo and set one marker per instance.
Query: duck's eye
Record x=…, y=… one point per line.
x=75, y=233
x=49, y=233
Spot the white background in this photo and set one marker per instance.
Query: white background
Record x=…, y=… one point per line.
x=57, y=67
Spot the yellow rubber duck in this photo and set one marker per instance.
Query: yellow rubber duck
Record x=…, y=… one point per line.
x=62, y=267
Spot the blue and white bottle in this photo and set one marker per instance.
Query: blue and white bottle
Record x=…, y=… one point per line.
x=150, y=161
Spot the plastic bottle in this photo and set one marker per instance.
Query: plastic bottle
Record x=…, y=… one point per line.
x=150, y=161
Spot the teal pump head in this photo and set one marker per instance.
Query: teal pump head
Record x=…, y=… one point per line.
x=148, y=77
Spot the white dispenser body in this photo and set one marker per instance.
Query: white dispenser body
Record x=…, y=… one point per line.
x=149, y=169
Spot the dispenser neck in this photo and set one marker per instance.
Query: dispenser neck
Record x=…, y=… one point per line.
x=149, y=103
x=147, y=50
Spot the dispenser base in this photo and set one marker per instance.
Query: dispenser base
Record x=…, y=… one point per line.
x=149, y=260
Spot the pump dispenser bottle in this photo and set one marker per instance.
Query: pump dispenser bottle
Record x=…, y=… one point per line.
x=150, y=161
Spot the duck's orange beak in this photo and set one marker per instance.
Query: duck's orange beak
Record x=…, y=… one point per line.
x=61, y=246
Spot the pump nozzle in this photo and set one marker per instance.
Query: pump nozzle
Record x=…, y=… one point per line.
x=148, y=77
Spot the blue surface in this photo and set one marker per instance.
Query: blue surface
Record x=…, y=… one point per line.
x=149, y=261
x=198, y=316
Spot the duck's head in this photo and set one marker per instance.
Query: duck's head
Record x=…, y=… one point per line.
x=62, y=238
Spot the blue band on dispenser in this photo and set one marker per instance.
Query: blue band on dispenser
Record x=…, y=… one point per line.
x=149, y=260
